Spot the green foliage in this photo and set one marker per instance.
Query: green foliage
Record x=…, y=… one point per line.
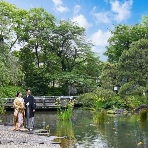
x=99, y=117
x=144, y=20
x=130, y=88
x=51, y=51
x=98, y=102
x=132, y=102
x=65, y=109
x=10, y=91
x=133, y=63
x=104, y=93
x=56, y=91
x=2, y=106
x=87, y=100
x=132, y=66
x=94, y=101
x=122, y=37
x=115, y=102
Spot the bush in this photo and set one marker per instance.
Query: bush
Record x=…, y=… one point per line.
x=86, y=99
x=130, y=88
x=104, y=93
x=10, y=91
x=2, y=107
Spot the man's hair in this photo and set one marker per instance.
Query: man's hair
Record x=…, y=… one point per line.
x=27, y=89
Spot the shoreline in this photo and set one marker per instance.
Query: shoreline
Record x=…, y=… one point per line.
x=13, y=139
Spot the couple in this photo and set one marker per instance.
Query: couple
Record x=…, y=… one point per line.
x=24, y=109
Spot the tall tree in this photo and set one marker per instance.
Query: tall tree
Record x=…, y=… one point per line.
x=133, y=68
x=8, y=38
x=69, y=44
x=122, y=37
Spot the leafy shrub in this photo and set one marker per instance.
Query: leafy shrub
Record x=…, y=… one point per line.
x=130, y=88
x=86, y=99
x=104, y=93
x=132, y=102
x=2, y=107
x=115, y=102
x=10, y=91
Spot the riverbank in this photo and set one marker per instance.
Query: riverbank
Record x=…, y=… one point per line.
x=22, y=139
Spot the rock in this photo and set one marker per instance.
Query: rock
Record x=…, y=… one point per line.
x=142, y=106
x=111, y=112
x=117, y=111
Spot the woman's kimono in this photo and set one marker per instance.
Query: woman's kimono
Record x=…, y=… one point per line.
x=19, y=112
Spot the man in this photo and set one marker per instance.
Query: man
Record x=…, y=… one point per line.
x=30, y=106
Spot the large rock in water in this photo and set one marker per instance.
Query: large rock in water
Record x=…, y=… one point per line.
x=142, y=106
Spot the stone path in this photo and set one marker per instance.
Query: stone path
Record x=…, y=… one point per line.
x=15, y=139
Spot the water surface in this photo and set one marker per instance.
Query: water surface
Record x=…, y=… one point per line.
x=82, y=132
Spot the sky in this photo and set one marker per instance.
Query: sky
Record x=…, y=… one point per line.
x=98, y=17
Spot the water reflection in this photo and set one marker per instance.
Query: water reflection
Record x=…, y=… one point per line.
x=82, y=132
x=66, y=134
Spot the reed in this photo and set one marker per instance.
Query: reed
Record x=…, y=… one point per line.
x=65, y=113
x=99, y=117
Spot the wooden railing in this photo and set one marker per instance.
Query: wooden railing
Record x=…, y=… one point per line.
x=43, y=101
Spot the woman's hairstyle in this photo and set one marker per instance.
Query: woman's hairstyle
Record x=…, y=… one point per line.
x=17, y=94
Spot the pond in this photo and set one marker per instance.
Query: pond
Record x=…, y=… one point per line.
x=82, y=132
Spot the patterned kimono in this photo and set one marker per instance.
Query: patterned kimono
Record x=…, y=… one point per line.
x=19, y=112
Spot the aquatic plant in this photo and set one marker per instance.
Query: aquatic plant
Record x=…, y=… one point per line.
x=99, y=117
x=65, y=109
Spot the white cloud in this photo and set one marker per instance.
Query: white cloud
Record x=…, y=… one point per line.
x=102, y=17
x=122, y=10
x=81, y=21
x=57, y=2
x=100, y=38
x=76, y=9
x=118, y=12
x=59, y=7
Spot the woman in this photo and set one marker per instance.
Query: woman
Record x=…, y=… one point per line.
x=19, y=111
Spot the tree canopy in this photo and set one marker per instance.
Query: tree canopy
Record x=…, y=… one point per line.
x=42, y=53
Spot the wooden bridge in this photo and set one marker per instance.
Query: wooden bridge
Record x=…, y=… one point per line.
x=44, y=102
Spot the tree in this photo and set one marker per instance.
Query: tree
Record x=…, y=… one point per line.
x=133, y=63
x=9, y=66
x=51, y=51
x=109, y=77
x=69, y=44
x=144, y=21
x=122, y=37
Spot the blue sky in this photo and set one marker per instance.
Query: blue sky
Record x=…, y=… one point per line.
x=96, y=16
